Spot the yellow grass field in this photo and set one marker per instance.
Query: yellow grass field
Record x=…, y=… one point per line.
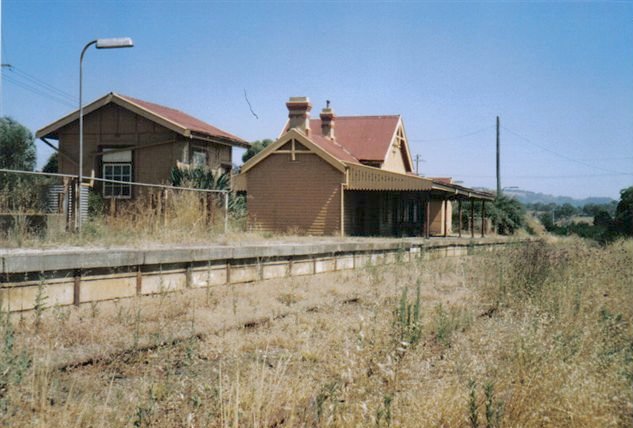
x=535, y=335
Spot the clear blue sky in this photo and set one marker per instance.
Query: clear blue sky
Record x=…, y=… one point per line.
x=560, y=76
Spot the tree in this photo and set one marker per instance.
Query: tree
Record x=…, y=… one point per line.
x=508, y=214
x=256, y=147
x=624, y=212
x=566, y=210
x=52, y=164
x=17, y=148
x=602, y=218
x=547, y=221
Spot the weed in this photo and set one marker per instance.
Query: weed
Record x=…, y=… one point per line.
x=444, y=325
x=137, y=327
x=288, y=299
x=473, y=416
x=384, y=413
x=13, y=364
x=62, y=314
x=400, y=255
x=144, y=411
x=409, y=325
x=208, y=289
x=40, y=304
x=94, y=309
x=494, y=409
x=327, y=393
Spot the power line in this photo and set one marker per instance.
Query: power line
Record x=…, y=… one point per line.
x=457, y=137
x=607, y=159
x=617, y=174
x=562, y=156
x=37, y=91
x=43, y=84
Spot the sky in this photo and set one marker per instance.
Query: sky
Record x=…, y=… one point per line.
x=559, y=75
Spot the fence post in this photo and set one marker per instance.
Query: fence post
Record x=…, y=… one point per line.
x=226, y=211
x=209, y=208
x=164, y=195
x=71, y=205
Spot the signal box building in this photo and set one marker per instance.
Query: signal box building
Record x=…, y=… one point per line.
x=345, y=175
x=131, y=140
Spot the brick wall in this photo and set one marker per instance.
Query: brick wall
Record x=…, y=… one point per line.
x=301, y=196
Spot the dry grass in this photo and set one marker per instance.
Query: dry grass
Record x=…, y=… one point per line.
x=182, y=217
x=531, y=336
x=176, y=216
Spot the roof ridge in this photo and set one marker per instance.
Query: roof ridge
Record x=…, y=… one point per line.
x=192, y=120
x=130, y=98
x=341, y=146
x=337, y=145
x=361, y=116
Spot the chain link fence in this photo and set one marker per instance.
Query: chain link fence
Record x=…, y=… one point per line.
x=44, y=206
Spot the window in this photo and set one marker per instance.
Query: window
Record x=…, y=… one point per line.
x=118, y=172
x=199, y=158
x=117, y=166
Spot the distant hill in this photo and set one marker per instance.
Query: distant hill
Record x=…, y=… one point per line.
x=527, y=197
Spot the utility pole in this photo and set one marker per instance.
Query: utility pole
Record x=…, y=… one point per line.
x=1, y=94
x=498, y=169
x=418, y=159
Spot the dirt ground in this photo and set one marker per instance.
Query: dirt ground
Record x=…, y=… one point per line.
x=427, y=343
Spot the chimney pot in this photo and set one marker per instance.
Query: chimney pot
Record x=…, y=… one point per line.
x=328, y=118
x=299, y=114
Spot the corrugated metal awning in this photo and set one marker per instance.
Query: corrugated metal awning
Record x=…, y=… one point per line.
x=361, y=177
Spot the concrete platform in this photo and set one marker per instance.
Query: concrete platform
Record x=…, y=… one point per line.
x=82, y=275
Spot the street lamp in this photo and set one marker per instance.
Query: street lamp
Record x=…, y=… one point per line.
x=122, y=42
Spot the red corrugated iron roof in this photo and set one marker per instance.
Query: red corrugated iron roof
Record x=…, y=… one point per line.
x=366, y=138
x=182, y=119
x=333, y=148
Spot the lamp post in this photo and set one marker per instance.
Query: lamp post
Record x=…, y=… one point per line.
x=123, y=42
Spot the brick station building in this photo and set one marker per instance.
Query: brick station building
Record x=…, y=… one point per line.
x=348, y=176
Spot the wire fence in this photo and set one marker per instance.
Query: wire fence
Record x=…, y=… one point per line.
x=41, y=204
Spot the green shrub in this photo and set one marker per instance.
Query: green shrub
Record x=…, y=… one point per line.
x=508, y=214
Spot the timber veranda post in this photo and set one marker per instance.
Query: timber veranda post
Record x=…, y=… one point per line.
x=445, y=203
x=483, y=216
x=342, y=212
x=459, y=223
x=472, y=218
x=427, y=217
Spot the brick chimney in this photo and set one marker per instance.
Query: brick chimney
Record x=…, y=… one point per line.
x=299, y=114
x=327, y=121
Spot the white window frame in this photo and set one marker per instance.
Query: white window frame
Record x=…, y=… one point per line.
x=109, y=187
x=202, y=153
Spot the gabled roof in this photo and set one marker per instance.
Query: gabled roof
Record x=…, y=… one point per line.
x=359, y=176
x=170, y=118
x=309, y=143
x=366, y=138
